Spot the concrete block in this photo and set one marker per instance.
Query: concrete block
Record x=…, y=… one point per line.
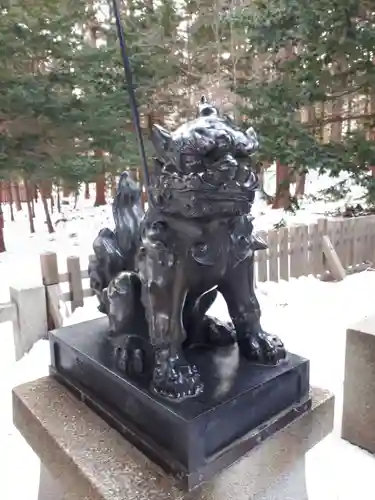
x=31, y=324
x=75, y=443
x=358, y=417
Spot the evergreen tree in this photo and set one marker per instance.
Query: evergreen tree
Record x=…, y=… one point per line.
x=310, y=87
x=64, y=109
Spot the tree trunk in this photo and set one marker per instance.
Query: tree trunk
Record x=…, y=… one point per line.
x=48, y=191
x=372, y=130
x=133, y=174
x=336, y=126
x=10, y=200
x=301, y=184
x=66, y=190
x=76, y=196
x=35, y=190
x=58, y=199
x=2, y=242
x=87, y=191
x=17, y=196
x=100, y=190
x=29, y=206
x=282, y=196
x=43, y=193
x=113, y=185
x=32, y=203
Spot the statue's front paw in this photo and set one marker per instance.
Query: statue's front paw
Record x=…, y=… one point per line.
x=262, y=348
x=174, y=378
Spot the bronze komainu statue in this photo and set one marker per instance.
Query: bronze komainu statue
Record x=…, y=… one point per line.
x=157, y=274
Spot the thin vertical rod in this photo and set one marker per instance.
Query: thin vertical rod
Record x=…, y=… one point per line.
x=130, y=85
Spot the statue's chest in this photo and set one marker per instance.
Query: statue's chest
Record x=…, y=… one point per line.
x=221, y=243
x=215, y=244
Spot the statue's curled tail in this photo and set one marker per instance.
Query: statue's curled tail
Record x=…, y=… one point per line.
x=115, y=249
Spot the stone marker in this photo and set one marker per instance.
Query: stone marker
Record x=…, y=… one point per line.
x=30, y=300
x=90, y=460
x=358, y=418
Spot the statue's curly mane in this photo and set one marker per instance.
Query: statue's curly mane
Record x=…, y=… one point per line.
x=203, y=169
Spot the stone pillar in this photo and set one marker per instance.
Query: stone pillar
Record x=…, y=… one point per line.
x=31, y=325
x=358, y=418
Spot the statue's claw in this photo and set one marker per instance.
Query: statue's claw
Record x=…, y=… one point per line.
x=262, y=348
x=174, y=378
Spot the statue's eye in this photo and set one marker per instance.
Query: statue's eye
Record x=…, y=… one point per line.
x=224, y=141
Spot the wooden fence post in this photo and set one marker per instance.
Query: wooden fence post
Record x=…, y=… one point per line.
x=49, y=267
x=358, y=241
x=284, y=253
x=320, y=260
x=51, y=279
x=273, y=257
x=295, y=251
x=304, y=234
x=262, y=259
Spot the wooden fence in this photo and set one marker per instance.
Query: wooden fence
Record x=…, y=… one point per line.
x=292, y=252
x=8, y=312
x=300, y=250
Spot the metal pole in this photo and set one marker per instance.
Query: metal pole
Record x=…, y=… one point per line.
x=133, y=102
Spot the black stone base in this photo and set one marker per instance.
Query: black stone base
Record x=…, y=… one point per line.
x=242, y=404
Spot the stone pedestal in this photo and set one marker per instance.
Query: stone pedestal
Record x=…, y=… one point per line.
x=358, y=419
x=93, y=462
x=241, y=405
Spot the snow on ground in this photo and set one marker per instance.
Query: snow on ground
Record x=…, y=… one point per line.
x=76, y=228
x=310, y=316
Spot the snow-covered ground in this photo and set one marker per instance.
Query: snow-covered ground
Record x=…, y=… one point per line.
x=76, y=228
x=310, y=316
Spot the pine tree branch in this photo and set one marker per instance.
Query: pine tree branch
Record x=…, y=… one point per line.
x=335, y=119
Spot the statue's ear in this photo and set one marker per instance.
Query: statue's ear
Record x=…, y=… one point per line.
x=161, y=139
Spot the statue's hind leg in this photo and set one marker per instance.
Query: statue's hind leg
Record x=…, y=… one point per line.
x=237, y=288
x=203, y=329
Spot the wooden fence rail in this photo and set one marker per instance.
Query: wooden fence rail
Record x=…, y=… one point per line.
x=292, y=252
x=8, y=312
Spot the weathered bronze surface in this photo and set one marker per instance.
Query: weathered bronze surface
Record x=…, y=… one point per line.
x=157, y=274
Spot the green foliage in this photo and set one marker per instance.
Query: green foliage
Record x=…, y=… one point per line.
x=62, y=92
x=64, y=109
x=308, y=54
